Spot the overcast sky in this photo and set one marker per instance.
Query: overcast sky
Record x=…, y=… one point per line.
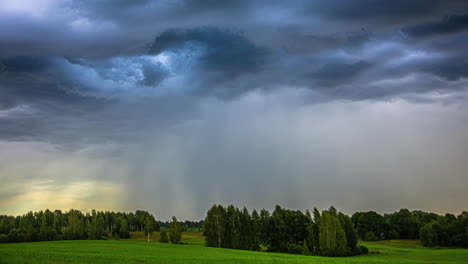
x=171, y=106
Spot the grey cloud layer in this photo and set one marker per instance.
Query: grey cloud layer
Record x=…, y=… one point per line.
x=194, y=93
x=96, y=55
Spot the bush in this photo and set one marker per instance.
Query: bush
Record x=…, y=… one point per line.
x=163, y=237
x=16, y=235
x=103, y=238
x=4, y=238
x=294, y=248
x=370, y=236
x=363, y=250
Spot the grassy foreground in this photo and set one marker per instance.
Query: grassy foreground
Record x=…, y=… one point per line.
x=141, y=252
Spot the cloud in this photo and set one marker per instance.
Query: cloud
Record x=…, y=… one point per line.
x=223, y=51
x=322, y=101
x=355, y=155
x=450, y=24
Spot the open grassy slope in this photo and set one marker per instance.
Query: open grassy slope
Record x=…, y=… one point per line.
x=142, y=252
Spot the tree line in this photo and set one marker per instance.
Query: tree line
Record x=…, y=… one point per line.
x=432, y=229
x=186, y=226
x=329, y=233
x=57, y=225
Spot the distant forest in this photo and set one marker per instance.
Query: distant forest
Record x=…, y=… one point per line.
x=329, y=233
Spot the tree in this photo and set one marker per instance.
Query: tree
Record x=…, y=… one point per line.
x=148, y=226
x=29, y=227
x=266, y=228
x=350, y=232
x=124, y=230
x=313, y=233
x=75, y=228
x=366, y=222
x=332, y=238
x=214, y=227
x=47, y=232
x=231, y=237
x=256, y=229
x=163, y=237
x=175, y=234
x=428, y=235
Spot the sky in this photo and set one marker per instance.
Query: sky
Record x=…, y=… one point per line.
x=172, y=106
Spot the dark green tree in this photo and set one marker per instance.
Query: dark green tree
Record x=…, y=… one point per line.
x=332, y=238
x=175, y=235
x=124, y=229
x=163, y=238
x=148, y=227
x=428, y=235
x=351, y=234
x=214, y=227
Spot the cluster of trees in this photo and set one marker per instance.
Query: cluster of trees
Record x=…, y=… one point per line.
x=175, y=233
x=330, y=233
x=186, y=226
x=57, y=225
x=432, y=229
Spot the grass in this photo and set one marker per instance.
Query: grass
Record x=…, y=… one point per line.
x=135, y=251
x=190, y=238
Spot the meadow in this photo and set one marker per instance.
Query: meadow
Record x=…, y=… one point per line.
x=136, y=250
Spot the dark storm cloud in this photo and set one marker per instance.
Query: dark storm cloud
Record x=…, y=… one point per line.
x=94, y=54
x=222, y=50
x=333, y=74
x=258, y=102
x=383, y=12
x=449, y=24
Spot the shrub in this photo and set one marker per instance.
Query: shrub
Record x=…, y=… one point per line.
x=294, y=248
x=103, y=238
x=363, y=250
x=370, y=236
x=4, y=238
x=16, y=235
x=163, y=238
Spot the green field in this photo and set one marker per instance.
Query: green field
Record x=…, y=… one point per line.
x=135, y=251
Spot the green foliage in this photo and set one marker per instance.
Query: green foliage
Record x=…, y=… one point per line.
x=4, y=238
x=363, y=250
x=351, y=234
x=305, y=248
x=428, y=235
x=75, y=228
x=175, y=235
x=368, y=223
x=57, y=225
x=294, y=248
x=332, y=238
x=214, y=228
x=16, y=236
x=370, y=236
x=149, y=227
x=283, y=231
x=163, y=238
x=124, y=230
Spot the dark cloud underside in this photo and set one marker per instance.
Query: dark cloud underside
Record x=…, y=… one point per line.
x=259, y=95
